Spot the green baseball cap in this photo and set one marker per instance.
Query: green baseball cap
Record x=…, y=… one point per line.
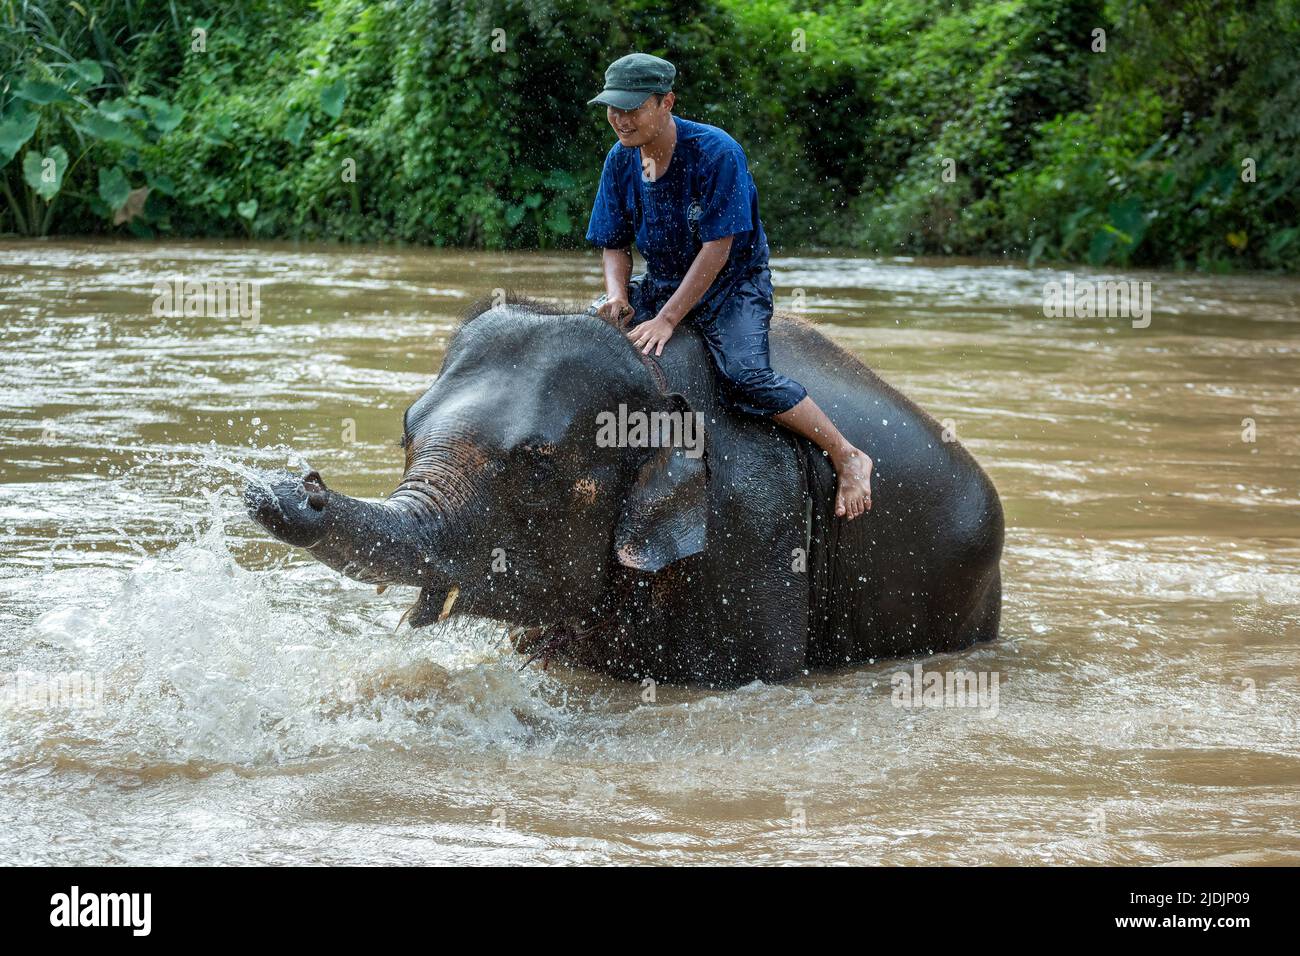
x=631, y=79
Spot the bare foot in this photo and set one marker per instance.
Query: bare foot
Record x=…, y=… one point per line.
x=853, y=496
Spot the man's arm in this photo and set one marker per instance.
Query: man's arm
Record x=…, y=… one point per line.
x=708, y=263
x=618, y=270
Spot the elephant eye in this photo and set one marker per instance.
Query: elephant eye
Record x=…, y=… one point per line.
x=537, y=461
x=543, y=469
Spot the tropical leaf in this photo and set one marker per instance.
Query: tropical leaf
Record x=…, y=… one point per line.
x=1036, y=250
x=45, y=173
x=1280, y=240
x=114, y=188
x=558, y=180
x=163, y=184
x=1119, y=234
x=296, y=127
x=117, y=109
x=247, y=209
x=89, y=71
x=99, y=126
x=332, y=97
x=14, y=134
x=40, y=93
x=164, y=116
x=1204, y=186
x=558, y=221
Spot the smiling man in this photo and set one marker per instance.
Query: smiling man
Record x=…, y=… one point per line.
x=683, y=192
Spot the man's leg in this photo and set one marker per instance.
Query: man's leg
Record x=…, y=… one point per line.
x=736, y=332
x=852, y=466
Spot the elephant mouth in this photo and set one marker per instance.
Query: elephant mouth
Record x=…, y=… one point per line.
x=432, y=605
x=544, y=642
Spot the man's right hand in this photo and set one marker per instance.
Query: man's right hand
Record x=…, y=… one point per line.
x=615, y=309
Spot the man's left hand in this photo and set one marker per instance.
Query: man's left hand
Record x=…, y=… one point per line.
x=652, y=335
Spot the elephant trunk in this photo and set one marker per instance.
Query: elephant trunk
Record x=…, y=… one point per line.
x=389, y=543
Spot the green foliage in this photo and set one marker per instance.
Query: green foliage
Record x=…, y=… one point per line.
x=332, y=97
x=63, y=94
x=15, y=130
x=1194, y=100
x=45, y=174
x=113, y=187
x=464, y=122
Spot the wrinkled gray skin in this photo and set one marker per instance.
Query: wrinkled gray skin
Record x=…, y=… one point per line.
x=644, y=562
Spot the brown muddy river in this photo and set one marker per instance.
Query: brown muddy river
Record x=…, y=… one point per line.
x=176, y=688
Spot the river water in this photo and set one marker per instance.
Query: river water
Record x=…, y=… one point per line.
x=178, y=689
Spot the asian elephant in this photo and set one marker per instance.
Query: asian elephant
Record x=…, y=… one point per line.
x=531, y=497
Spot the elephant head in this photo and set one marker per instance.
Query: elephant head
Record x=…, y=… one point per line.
x=515, y=504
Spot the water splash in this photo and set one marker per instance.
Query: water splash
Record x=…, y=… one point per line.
x=207, y=663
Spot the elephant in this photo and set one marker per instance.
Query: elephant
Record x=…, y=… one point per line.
x=534, y=494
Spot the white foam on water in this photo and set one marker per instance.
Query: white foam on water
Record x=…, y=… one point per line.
x=206, y=662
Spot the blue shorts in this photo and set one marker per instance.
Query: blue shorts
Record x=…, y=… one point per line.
x=733, y=319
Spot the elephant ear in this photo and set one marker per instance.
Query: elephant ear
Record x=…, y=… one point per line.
x=665, y=516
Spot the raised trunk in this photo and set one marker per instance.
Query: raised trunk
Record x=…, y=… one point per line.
x=385, y=543
x=390, y=543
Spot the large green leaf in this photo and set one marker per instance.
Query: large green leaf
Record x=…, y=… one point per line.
x=14, y=134
x=295, y=128
x=332, y=97
x=45, y=173
x=558, y=221
x=114, y=188
x=247, y=209
x=89, y=71
x=162, y=183
x=164, y=116
x=39, y=92
x=99, y=126
x=117, y=109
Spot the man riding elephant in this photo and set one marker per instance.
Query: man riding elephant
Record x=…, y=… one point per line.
x=718, y=556
x=683, y=191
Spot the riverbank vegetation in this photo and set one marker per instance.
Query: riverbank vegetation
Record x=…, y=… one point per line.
x=1128, y=132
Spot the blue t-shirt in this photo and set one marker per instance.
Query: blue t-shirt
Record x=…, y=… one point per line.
x=706, y=194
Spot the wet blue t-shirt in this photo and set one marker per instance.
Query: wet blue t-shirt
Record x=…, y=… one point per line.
x=706, y=194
